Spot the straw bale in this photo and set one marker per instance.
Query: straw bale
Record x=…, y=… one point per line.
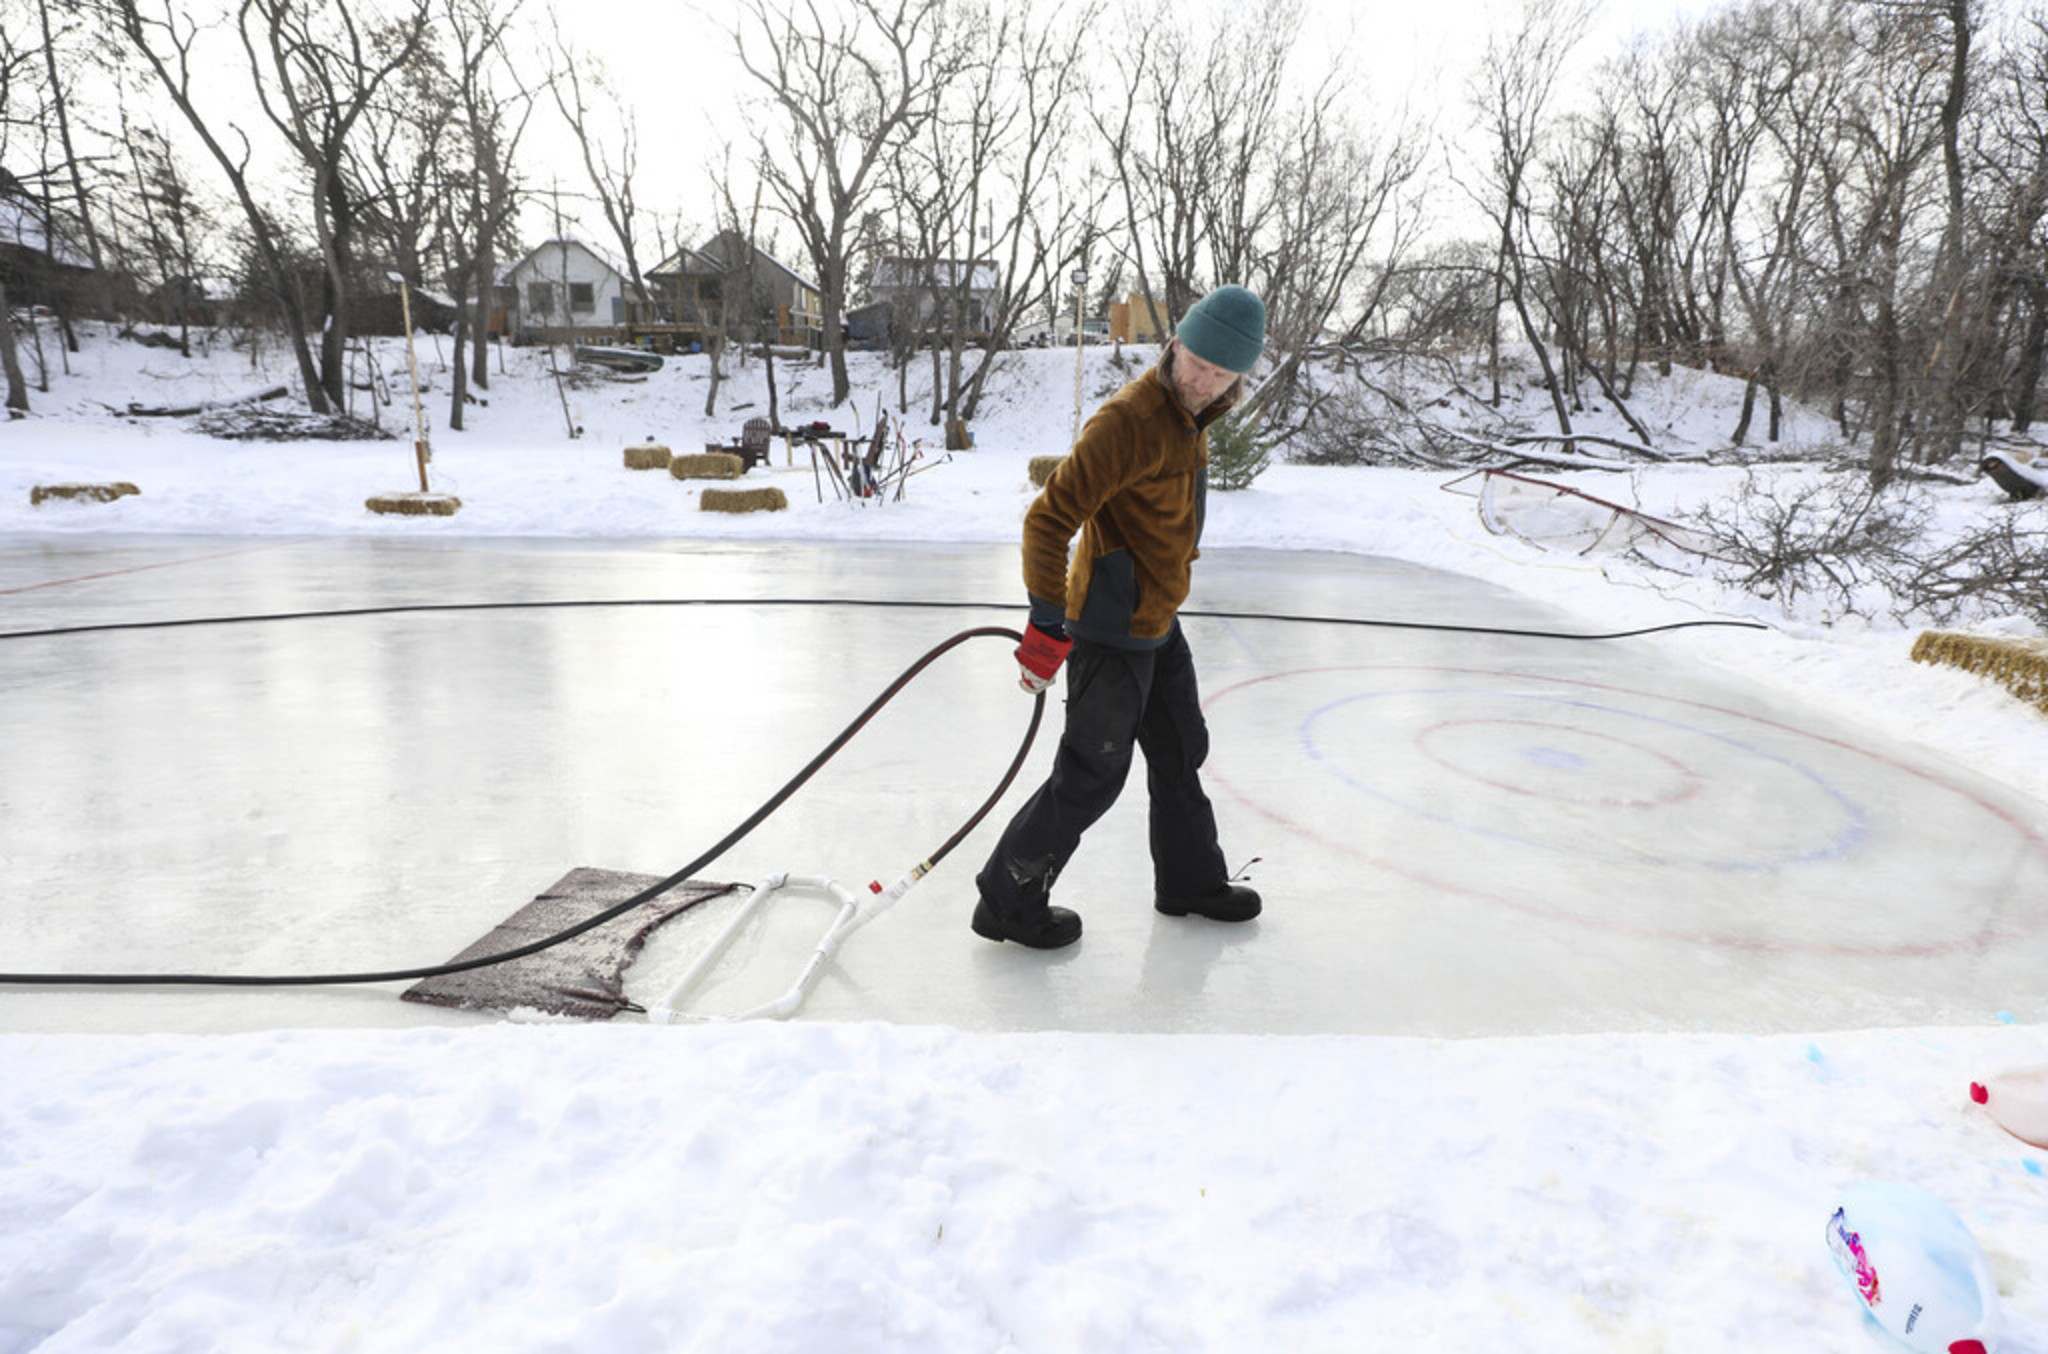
x=2019, y=665
x=1042, y=468
x=81, y=493
x=709, y=466
x=769, y=499
x=653, y=456
x=414, y=504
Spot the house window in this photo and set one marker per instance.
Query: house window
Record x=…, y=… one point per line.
x=540, y=297
x=582, y=297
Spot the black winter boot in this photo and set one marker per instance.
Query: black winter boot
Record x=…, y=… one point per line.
x=1226, y=902
x=1042, y=928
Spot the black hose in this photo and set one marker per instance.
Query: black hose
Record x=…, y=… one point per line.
x=647, y=894
x=755, y=819
x=421, y=608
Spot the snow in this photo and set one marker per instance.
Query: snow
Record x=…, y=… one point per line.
x=851, y=1185
x=876, y=1187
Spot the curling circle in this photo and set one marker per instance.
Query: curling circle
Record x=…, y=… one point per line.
x=1687, y=784
x=1852, y=834
x=1991, y=928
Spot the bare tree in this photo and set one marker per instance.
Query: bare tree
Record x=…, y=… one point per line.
x=166, y=47
x=316, y=81
x=611, y=169
x=1511, y=92
x=398, y=163
x=492, y=110
x=14, y=60
x=1041, y=62
x=1952, y=274
x=849, y=86
x=81, y=204
x=739, y=302
x=171, y=218
x=1343, y=213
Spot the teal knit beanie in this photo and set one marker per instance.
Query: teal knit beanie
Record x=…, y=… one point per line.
x=1227, y=327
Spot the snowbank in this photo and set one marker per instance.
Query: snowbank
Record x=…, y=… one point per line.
x=885, y=1188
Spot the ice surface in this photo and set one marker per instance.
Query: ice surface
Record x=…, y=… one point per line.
x=1459, y=835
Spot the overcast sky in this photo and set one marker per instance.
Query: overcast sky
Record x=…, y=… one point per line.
x=676, y=65
x=691, y=92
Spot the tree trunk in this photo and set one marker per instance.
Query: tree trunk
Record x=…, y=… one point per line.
x=1741, y=433
x=1564, y=418
x=768, y=362
x=459, y=385
x=486, y=268
x=2031, y=351
x=1954, y=273
x=716, y=348
x=10, y=360
x=1493, y=325
x=835, y=342
x=1884, y=418
x=92, y=236
x=35, y=336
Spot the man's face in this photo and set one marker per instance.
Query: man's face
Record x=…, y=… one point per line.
x=1201, y=383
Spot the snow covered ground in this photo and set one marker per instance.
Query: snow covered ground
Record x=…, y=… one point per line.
x=875, y=1186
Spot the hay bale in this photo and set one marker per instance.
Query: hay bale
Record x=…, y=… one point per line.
x=414, y=504
x=1042, y=468
x=770, y=499
x=652, y=456
x=81, y=493
x=2019, y=665
x=722, y=465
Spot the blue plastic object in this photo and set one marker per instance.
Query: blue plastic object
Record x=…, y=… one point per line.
x=1917, y=1274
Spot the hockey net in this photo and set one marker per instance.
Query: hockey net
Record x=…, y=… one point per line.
x=1554, y=516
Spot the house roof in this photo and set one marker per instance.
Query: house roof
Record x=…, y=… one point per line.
x=760, y=253
x=896, y=271
x=505, y=274
x=686, y=263
x=22, y=225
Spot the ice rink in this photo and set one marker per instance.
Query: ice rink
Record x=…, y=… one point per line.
x=1459, y=835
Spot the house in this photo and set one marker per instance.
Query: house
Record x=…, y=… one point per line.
x=1060, y=331
x=867, y=327
x=200, y=299
x=685, y=292
x=383, y=312
x=917, y=289
x=560, y=289
x=1132, y=320
x=689, y=283
x=39, y=264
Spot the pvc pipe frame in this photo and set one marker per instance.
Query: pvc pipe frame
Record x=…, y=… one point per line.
x=854, y=913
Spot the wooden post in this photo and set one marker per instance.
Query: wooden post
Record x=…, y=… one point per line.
x=412, y=368
x=1080, y=293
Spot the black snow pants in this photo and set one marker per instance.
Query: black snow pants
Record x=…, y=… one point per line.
x=1116, y=697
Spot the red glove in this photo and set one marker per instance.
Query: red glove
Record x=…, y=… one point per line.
x=1039, y=657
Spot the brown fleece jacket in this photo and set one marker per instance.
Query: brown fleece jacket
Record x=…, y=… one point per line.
x=1134, y=486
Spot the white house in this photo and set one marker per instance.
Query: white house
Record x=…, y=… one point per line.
x=927, y=286
x=562, y=284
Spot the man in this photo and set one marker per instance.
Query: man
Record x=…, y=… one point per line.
x=1134, y=487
